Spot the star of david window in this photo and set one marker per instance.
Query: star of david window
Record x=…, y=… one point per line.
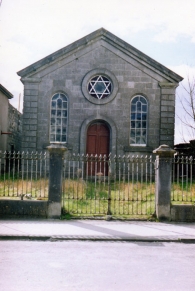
x=100, y=87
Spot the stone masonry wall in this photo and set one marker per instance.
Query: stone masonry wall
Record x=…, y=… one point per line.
x=15, y=127
x=67, y=77
x=31, y=93
x=167, y=120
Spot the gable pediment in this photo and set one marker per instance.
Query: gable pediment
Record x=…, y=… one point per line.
x=99, y=38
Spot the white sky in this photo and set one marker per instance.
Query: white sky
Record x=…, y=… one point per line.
x=32, y=29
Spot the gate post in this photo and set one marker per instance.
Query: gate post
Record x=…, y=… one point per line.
x=56, y=154
x=163, y=175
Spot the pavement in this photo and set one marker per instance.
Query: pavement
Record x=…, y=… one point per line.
x=96, y=230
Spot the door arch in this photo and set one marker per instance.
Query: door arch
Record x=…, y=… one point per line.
x=98, y=143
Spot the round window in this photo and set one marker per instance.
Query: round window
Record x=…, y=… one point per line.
x=99, y=87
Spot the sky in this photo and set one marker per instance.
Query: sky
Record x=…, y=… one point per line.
x=32, y=29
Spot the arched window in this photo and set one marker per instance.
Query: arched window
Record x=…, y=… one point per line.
x=59, y=118
x=139, y=112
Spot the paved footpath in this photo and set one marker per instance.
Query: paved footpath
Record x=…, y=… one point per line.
x=31, y=229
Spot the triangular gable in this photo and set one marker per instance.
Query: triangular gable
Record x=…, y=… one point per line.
x=111, y=39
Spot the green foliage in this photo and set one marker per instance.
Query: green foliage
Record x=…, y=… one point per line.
x=183, y=193
x=21, y=188
x=92, y=198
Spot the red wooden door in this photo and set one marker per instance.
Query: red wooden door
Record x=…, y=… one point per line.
x=98, y=138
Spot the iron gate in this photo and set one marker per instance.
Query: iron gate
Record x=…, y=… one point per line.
x=100, y=185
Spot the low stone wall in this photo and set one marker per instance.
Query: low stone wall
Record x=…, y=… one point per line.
x=23, y=208
x=183, y=213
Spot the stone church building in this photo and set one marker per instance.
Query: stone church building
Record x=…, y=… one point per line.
x=99, y=95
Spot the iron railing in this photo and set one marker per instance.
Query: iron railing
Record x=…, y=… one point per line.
x=96, y=185
x=114, y=185
x=23, y=175
x=183, y=180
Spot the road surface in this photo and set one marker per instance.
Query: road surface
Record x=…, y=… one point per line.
x=95, y=266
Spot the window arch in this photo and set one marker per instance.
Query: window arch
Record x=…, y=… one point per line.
x=139, y=114
x=59, y=118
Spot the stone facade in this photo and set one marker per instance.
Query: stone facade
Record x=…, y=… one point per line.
x=69, y=70
x=10, y=123
x=15, y=127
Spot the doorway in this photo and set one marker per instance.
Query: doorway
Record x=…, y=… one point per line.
x=98, y=143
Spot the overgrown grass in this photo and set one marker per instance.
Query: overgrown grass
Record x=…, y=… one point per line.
x=183, y=193
x=81, y=198
x=121, y=198
x=24, y=189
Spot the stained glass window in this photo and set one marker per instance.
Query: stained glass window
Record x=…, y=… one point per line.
x=139, y=112
x=59, y=118
x=100, y=87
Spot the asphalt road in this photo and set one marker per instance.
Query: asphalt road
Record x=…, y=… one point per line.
x=94, y=266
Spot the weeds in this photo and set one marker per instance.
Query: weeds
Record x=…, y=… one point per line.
x=183, y=193
x=24, y=189
x=88, y=198
x=84, y=198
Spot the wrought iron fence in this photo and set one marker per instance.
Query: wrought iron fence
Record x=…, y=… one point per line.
x=114, y=185
x=96, y=185
x=121, y=186
x=23, y=176
x=183, y=180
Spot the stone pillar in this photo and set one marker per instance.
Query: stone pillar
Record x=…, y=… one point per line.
x=30, y=111
x=56, y=154
x=163, y=177
x=167, y=111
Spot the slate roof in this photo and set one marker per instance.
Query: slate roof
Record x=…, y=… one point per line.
x=6, y=92
x=108, y=37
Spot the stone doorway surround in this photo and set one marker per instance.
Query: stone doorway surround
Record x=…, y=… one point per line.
x=109, y=123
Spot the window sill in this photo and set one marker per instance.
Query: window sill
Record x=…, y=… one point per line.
x=137, y=149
